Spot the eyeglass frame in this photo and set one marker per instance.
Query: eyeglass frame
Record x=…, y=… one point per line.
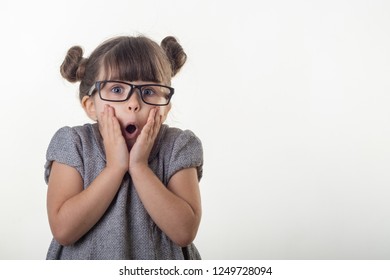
x=97, y=84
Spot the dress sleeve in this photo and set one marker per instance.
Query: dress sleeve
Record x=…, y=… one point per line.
x=65, y=147
x=187, y=152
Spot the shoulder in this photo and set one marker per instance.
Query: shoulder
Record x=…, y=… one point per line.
x=80, y=131
x=174, y=135
x=175, y=139
x=180, y=149
x=73, y=146
x=62, y=138
x=71, y=140
x=73, y=135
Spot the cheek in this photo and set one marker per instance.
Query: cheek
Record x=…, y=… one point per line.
x=99, y=110
x=164, y=111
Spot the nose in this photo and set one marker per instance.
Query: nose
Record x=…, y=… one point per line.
x=134, y=102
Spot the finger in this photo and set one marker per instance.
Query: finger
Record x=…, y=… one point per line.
x=157, y=122
x=152, y=115
x=154, y=123
x=149, y=123
x=113, y=122
x=109, y=122
x=116, y=125
x=106, y=120
x=103, y=119
x=111, y=119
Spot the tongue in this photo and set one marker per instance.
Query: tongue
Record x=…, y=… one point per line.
x=130, y=128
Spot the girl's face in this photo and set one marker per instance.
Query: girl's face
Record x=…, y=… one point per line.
x=132, y=114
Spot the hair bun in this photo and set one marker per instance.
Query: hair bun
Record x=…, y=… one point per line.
x=73, y=67
x=175, y=53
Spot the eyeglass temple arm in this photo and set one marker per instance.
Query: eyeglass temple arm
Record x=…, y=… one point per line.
x=91, y=90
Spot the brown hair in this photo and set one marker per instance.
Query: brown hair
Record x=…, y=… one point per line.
x=124, y=58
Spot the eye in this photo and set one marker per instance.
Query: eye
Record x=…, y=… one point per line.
x=117, y=89
x=148, y=91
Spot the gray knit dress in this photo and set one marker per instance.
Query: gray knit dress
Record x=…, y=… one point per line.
x=126, y=230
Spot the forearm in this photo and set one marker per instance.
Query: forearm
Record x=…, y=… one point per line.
x=172, y=214
x=80, y=213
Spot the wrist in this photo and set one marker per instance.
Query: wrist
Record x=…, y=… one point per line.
x=116, y=170
x=138, y=168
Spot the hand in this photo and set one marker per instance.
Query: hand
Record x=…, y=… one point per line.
x=141, y=149
x=117, y=154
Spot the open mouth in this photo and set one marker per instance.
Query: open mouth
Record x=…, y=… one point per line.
x=131, y=128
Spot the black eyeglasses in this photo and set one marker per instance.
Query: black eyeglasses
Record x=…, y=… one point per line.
x=118, y=91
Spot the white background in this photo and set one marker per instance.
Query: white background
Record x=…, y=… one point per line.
x=290, y=98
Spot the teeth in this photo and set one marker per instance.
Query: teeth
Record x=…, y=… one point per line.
x=131, y=128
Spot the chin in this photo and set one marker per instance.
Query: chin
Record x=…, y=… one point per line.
x=130, y=144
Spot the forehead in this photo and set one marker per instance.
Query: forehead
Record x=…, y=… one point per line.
x=132, y=64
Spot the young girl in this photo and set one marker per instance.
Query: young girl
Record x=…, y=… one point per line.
x=126, y=186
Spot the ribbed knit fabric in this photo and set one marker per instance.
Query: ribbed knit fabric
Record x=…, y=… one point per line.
x=126, y=230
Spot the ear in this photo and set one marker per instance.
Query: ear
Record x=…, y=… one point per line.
x=88, y=105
